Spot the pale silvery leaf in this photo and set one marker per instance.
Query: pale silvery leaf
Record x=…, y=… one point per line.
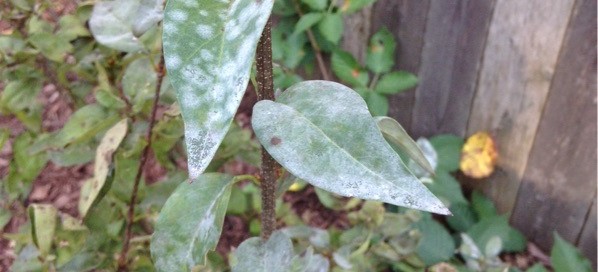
x=119, y=24
x=323, y=133
x=398, y=138
x=209, y=48
x=253, y=255
x=430, y=156
x=190, y=223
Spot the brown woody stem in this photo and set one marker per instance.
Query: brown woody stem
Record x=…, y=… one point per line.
x=266, y=92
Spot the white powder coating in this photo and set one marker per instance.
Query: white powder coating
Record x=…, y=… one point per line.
x=212, y=76
x=328, y=138
x=190, y=223
x=204, y=31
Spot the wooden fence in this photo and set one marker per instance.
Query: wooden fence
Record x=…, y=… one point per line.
x=524, y=71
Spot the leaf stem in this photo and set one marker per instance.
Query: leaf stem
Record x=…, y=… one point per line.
x=314, y=45
x=252, y=178
x=374, y=82
x=266, y=92
x=122, y=260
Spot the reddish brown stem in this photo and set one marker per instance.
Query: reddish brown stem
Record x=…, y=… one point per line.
x=122, y=260
x=266, y=92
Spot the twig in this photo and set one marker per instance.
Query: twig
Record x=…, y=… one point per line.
x=314, y=45
x=122, y=260
x=266, y=92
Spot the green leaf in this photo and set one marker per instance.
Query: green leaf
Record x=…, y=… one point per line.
x=316, y=4
x=51, y=45
x=463, y=217
x=348, y=69
x=536, y=268
x=331, y=27
x=483, y=206
x=19, y=95
x=380, y=54
x=308, y=20
x=448, y=148
x=43, y=226
x=139, y=82
x=377, y=103
x=81, y=124
x=396, y=82
x=190, y=223
x=255, y=255
x=565, y=257
x=71, y=28
x=209, y=48
x=447, y=188
x=484, y=230
x=72, y=155
x=97, y=185
x=25, y=166
x=351, y=6
x=119, y=24
x=396, y=135
x=436, y=244
x=322, y=133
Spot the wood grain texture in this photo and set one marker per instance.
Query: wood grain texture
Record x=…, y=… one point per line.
x=559, y=184
x=407, y=21
x=357, y=32
x=587, y=239
x=518, y=64
x=454, y=42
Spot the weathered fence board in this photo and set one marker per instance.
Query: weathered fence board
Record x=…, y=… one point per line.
x=453, y=46
x=559, y=184
x=518, y=64
x=406, y=19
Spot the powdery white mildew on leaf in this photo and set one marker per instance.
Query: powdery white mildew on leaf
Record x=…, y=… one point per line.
x=254, y=255
x=323, y=133
x=190, y=223
x=119, y=24
x=209, y=48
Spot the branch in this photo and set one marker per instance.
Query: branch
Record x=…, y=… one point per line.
x=122, y=260
x=314, y=45
x=266, y=92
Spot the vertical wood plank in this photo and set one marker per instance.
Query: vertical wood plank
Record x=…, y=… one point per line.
x=357, y=32
x=517, y=68
x=455, y=36
x=587, y=239
x=406, y=19
x=559, y=183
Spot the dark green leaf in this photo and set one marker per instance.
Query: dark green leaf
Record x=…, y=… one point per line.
x=483, y=206
x=463, y=217
x=351, y=6
x=331, y=27
x=308, y=20
x=190, y=223
x=484, y=230
x=348, y=69
x=448, y=148
x=316, y=4
x=565, y=257
x=447, y=188
x=380, y=54
x=395, y=82
x=377, y=103
x=436, y=244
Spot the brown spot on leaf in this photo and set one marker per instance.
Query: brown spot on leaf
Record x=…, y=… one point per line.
x=275, y=140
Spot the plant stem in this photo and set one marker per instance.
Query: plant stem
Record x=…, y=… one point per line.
x=314, y=45
x=266, y=92
x=122, y=260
